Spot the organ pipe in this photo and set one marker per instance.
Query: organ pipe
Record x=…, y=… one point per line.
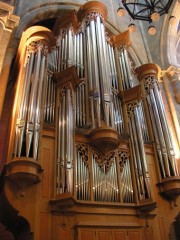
x=65, y=142
x=28, y=122
x=163, y=138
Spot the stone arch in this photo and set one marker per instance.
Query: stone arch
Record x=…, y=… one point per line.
x=43, y=12
x=170, y=39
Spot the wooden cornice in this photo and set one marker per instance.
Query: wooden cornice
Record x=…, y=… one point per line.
x=24, y=171
x=170, y=188
x=92, y=6
x=64, y=203
x=69, y=75
x=131, y=95
x=149, y=69
x=121, y=39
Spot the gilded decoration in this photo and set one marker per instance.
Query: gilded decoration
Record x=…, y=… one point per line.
x=104, y=163
x=130, y=108
x=123, y=158
x=149, y=83
x=83, y=151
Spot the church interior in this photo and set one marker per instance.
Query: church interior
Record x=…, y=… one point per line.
x=90, y=120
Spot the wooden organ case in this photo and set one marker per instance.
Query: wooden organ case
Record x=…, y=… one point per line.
x=90, y=146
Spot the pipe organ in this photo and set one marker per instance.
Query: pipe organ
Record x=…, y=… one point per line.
x=79, y=83
x=99, y=100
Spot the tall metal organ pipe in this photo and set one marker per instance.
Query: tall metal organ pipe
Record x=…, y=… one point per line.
x=162, y=134
x=29, y=117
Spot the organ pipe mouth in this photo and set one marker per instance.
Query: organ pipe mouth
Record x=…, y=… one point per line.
x=104, y=139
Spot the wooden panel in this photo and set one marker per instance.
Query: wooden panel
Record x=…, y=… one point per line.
x=63, y=233
x=161, y=228
x=43, y=226
x=134, y=235
x=119, y=235
x=149, y=234
x=103, y=235
x=86, y=234
x=46, y=172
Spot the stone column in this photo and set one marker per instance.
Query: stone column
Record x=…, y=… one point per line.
x=8, y=23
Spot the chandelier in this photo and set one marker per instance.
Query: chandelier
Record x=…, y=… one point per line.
x=145, y=10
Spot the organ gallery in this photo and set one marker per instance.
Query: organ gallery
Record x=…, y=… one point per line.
x=91, y=151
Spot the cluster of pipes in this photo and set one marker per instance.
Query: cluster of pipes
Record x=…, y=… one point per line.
x=96, y=103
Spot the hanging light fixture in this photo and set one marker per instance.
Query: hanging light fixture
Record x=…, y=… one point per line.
x=172, y=20
x=155, y=16
x=146, y=10
x=152, y=30
x=132, y=27
x=121, y=11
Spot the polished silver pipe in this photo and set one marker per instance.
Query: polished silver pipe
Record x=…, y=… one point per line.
x=89, y=72
x=77, y=55
x=81, y=182
x=163, y=118
x=34, y=88
x=142, y=152
x=62, y=53
x=81, y=56
x=138, y=170
x=54, y=102
x=160, y=158
x=125, y=183
x=62, y=106
x=32, y=104
x=127, y=64
x=166, y=131
x=66, y=51
x=83, y=105
x=106, y=77
x=38, y=108
x=127, y=77
x=20, y=126
x=143, y=122
x=94, y=56
x=59, y=47
x=48, y=98
x=95, y=73
x=80, y=104
x=110, y=63
x=69, y=44
x=107, y=81
x=58, y=145
x=77, y=106
x=45, y=93
x=121, y=120
x=159, y=131
x=94, y=179
x=121, y=70
x=26, y=88
x=130, y=182
x=115, y=113
x=76, y=174
x=114, y=69
x=141, y=142
x=79, y=175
